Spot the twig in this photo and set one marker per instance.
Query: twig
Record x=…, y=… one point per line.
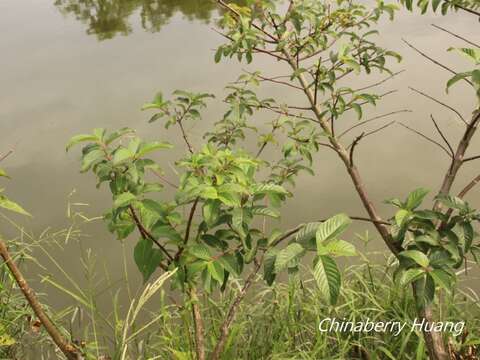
x=279, y=82
x=380, y=82
x=435, y=61
x=199, y=326
x=355, y=143
x=365, y=134
x=66, y=347
x=442, y=135
x=146, y=235
x=471, y=158
x=278, y=111
x=296, y=229
x=426, y=138
x=457, y=160
x=469, y=187
x=188, y=228
x=372, y=119
x=7, y=154
x=232, y=311
x=317, y=74
x=455, y=35
x=182, y=129
x=441, y=103
x=165, y=180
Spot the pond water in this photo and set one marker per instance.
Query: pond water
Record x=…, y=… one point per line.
x=71, y=65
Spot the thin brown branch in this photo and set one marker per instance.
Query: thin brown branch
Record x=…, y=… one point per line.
x=66, y=347
x=146, y=235
x=427, y=138
x=434, y=61
x=373, y=119
x=182, y=129
x=469, y=187
x=442, y=136
x=456, y=35
x=165, y=180
x=232, y=311
x=390, y=92
x=351, y=169
x=380, y=82
x=188, y=229
x=471, y=158
x=364, y=135
x=441, y=103
x=7, y=154
x=198, y=325
x=353, y=145
x=264, y=78
x=457, y=160
x=278, y=110
x=296, y=229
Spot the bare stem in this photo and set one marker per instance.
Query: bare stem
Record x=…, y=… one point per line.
x=199, y=326
x=232, y=311
x=66, y=347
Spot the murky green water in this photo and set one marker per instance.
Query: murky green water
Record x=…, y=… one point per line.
x=71, y=65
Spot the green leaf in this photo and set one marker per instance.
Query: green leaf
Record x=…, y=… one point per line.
x=331, y=228
x=124, y=199
x=340, y=248
x=427, y=239
x=80, y=138
x=265, y=211
x=457, y=78
x=306, y=234
x=468, y=235
x=12, y=206
x=284, y=256
x=452, y=202
x=425, y=287
x=200, y=251
x=91, y=158
x=168, y=232
x=328, y=278
x=218, y=54
x=211, y=211
x=118, y=134
x=229, y=263
x=209, y=192
x=5, y=339
x=442, y=279
x=237, y=222
x=229, y=199
x=146, y=148
x=121, y=155
x=415, y=198
x=269, y=266
x=269, y=188
x=3, y=173
x=411, y=275
x=216, y=271
x=358, y=110
x=147, y=258
x=417, y=256
x=401, y=215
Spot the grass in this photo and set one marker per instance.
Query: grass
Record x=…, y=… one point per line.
x=279, y=322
